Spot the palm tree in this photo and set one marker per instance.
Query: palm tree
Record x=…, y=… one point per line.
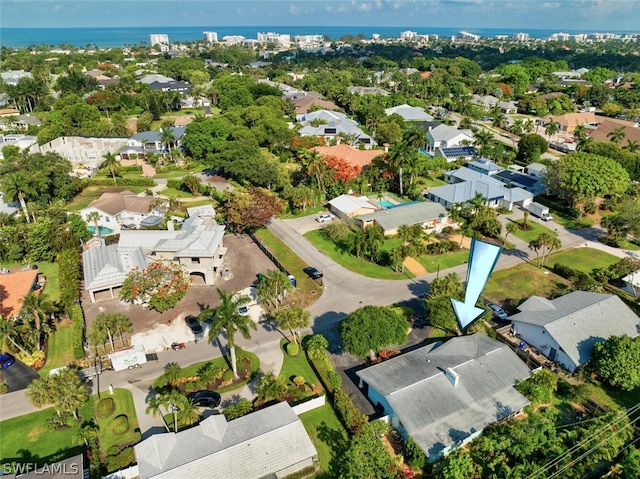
x=167, y=138
x=39, y=306
x=397, y=155
x=228, y=318
x=580, y=132
x=552, y=128
x=374, y=238
x=38, y=393
x=208, y=373
x=528, y=125
x=189, y=413
x=483, y=139
x=632, y=146
x=270, y=388
x=617, y=135
x=512, y=228
x=70, y=393
x=404, y=231
x=517, y=128
x=10, y=329
x=315, y=167
x=584, y=143
x=16, y=186
x=121, y=325
x=154, y=404
x=94, y=217
x=111, y=162
x=293, y=318
x=398, y=255
x=477, y=202
x=273, y=287
x=172, y=373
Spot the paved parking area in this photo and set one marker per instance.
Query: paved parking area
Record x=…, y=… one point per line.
x=304, y=224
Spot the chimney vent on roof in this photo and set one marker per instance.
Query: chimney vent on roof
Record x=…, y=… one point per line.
x=452, y=376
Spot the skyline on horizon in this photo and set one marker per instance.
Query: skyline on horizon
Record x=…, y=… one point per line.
x=562, y=15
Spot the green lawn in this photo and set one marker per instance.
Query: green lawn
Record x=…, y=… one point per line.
x=50, y=271
x=351, y=262
x=608, y=397
x=175, y=193
x=199, y=168
x=296, y=366
x=27, y=438
x=434, y=182
x=512, y=286
x=571, y=223
x=328, y=436
x=292, y=262
x=192, y=370
x=625, y=244
x=583, y=259
x=531, y=234
x=60, y=346
x=124, y=405
x=433, y=263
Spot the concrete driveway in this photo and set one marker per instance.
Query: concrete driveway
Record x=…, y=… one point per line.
x=18, y=376
x=308, y=223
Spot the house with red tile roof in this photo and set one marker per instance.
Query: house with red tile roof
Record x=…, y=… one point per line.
x=13, y=288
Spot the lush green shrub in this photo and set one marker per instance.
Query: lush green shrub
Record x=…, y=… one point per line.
x=292, y=349
x=105, y=407
x=348, y=413
x=58, y=421
x=175, y=184
x=413, y=455
x=120, y=425
x=334, y=379
x=118, y=461
x=298, y=381
x=69, y=276
x=227, y=375
x=4, y=388
x=77, y=319
x=238, y=409
x=564, y=271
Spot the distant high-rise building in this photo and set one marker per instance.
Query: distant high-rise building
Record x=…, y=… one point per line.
x=275, y=38
x=408, y=35
x=521, y=37
x=211, y=37
x=159, y=39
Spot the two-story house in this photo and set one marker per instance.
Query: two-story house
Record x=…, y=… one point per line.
x=147, y=142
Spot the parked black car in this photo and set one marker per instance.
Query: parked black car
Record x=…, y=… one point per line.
x=313, y=272
x=193, y=323
x=205, y=398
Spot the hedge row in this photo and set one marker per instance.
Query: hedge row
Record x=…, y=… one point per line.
x=122, y=182
x=69, y=274
x=77, y=319
x=349, y=414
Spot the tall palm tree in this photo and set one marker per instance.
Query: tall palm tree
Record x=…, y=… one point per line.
x=512, y=227
x=121, y=325
x=580, y=132
x=154, y=405
x=111, y=162
x=374, y=238
x=39, y=306
x=167, y=138
x=483, y=139
x=11, y=330
x=315, y=167
x=552, y=128
x=528, y=125
x=397, y=155
x=17, y=186
x=270, y=388
x=293, y=318
x=228, y=318
x=189, y=413
x=94, y=217
x=584, y=143
x=172, y=373
x=617, y=135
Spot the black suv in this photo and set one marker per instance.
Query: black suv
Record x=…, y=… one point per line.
x=193, y=323
x=313, y=272
x=205, y=398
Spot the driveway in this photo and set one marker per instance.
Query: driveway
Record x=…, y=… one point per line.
x=18, y=376
x=308, y=223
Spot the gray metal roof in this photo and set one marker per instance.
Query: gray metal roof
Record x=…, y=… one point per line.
x=406, y=214
x=444, y=132
x=106, y=267
x=579, y=320
x=253, y=446
x=154, y=135
x=434, y=411
x=464, y=174
x=488, y=186
x=409, y=113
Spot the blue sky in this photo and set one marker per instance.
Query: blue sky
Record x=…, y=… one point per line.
x=598, y=15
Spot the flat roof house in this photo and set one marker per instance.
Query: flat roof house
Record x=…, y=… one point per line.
x=565, y=329
x=269, y=443
x=445, y=394
x=348, y=207
x=431, y=216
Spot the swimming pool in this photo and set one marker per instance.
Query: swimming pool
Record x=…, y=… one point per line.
x=385, y=204
x=103, y=230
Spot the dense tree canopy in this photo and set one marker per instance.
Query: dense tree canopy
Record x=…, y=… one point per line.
x=371, y=328
x=617, y=360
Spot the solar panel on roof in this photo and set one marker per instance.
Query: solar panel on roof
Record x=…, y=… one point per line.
x=459, y=151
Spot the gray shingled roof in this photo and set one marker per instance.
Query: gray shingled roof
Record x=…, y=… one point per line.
x=444, y=132
x=107, y=267
x=409, y=113
x=154, y=135
x=579, y=320
x=434, y=411
x=254, y=446
x=406, y=214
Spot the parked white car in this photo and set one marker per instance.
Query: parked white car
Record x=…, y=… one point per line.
x=324, y=218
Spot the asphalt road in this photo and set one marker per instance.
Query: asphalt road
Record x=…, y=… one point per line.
x=19, y=375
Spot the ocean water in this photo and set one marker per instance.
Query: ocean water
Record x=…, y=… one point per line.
x=119, y=36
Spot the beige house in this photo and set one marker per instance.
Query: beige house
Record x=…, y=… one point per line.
x=348, y=207
x=119, y=211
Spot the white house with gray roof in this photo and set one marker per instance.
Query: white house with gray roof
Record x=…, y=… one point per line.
x=433, y=217
x=330, y=125
x=269, y=443
x=146, y=142
x=445, y=136
x=565, y=329
x=445, y=394
x=409, y=113
x=198, y=247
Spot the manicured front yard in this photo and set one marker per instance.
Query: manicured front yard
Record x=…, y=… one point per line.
x=440, y=262
x=311, y=210
x=293, y=366
x=174, y=193
x=583, y=259
x=512, y=286
x=328, y=436
x=351, y=262
x=60, y=347
x=28, y=439
x=535, y=230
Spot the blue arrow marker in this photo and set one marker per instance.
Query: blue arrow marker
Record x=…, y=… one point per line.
x=482, y=259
